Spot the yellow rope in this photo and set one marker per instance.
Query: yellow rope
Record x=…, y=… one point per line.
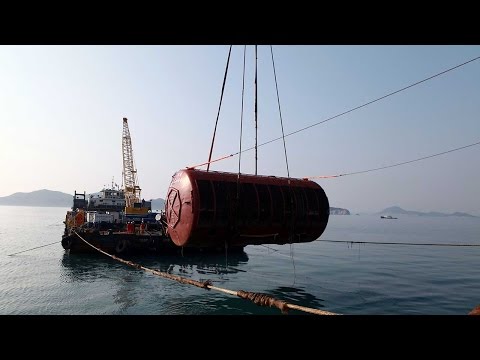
x=259, y=299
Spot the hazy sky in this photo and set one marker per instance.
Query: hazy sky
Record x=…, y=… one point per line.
x=61, y=110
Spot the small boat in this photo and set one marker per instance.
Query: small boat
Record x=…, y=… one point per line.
x=387, y=217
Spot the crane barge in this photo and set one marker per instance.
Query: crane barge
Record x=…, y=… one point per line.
x=115, y=219
x=204, y=210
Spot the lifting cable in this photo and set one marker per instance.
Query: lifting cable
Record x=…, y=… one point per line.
x=256, y=113
x=390, y=166
x=241, y=116
x=241, y=132
x=292, y=225
x=219, y=107
x=279, y=111
x=371, y=102
x=240, y=157
x=257, y=298
x=348, y=111
x=369, y=170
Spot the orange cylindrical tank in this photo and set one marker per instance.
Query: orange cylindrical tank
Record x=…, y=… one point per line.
x=215, y=209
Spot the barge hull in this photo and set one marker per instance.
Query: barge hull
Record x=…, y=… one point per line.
x=126, y=243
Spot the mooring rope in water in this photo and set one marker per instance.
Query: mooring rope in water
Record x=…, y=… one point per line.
x=257, y=298
x=393, y=243
x=37, y=247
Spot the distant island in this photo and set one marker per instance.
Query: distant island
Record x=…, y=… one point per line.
x=49, y=198
x=38, y=198
x=158, y=204
x=396, y=210
x=338, y=211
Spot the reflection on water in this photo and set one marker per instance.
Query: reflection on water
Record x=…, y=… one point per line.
x=382, y=280
x=131, y=288
x=127, y=283
x=84, y=267
x=125, y=296
x=201, y=263
x=296, y=295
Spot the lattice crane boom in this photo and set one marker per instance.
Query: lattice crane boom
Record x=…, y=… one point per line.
x=130, y=180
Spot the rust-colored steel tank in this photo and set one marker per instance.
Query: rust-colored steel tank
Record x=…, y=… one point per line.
x=202, y=209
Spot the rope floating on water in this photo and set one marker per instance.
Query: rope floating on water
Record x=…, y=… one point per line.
x=37, y=247
x=394, y=243
x=257, y=298
x=263, y=300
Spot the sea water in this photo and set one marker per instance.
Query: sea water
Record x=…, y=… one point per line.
x=345, y=278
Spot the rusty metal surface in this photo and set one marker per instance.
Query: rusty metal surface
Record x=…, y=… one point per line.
x=204, y=210
x=475, y=311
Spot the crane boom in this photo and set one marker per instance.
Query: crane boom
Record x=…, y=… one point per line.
x=130, y=180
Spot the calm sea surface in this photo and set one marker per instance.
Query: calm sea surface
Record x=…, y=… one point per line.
x=339, y=277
